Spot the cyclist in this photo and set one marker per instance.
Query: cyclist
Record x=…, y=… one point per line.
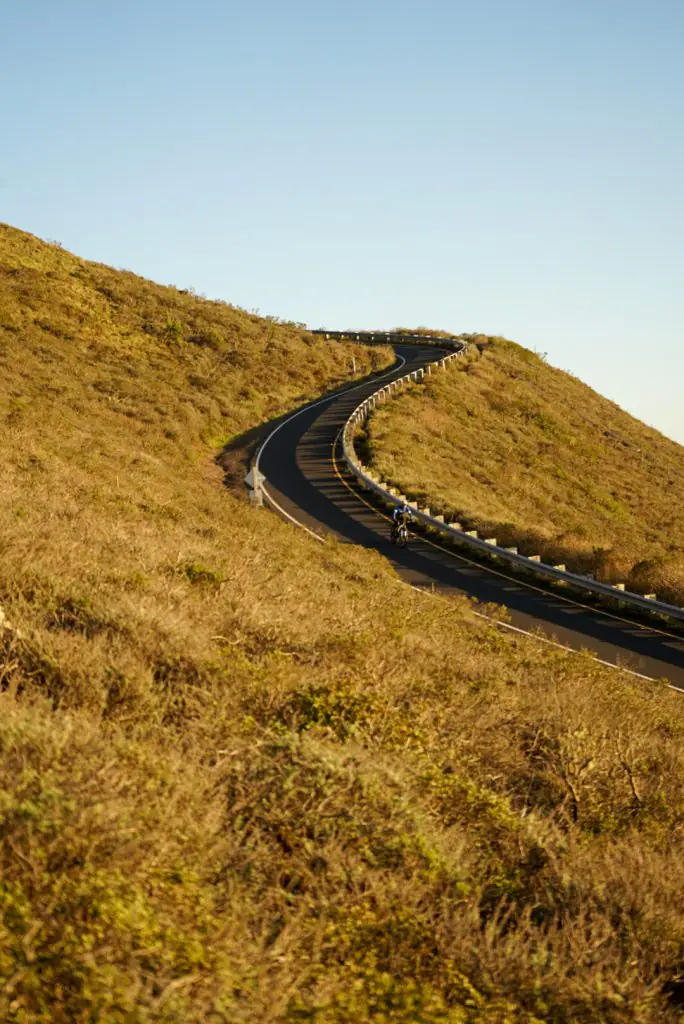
x=401, y=516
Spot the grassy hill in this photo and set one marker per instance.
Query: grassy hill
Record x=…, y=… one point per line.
x=246, y=777
x=526, y=453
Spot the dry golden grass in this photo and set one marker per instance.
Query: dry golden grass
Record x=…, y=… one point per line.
x=249, y=778
x=528, y=454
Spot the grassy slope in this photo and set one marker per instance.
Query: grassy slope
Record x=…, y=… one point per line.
x=528, y=454
x=246, y=777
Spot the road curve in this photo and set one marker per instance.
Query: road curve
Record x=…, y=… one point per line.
x=307, y=483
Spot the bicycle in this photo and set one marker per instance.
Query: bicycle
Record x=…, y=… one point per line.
x=399, y=535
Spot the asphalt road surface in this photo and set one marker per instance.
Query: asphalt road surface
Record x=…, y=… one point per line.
x=307, y=482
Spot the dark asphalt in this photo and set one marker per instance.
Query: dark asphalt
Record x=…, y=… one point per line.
x=301, y=462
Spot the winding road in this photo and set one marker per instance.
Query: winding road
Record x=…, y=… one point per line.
x=307, y=483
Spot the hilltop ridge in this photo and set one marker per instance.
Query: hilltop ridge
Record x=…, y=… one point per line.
x=524, y=452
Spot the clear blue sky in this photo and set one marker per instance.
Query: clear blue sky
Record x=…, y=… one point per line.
x=506, y=166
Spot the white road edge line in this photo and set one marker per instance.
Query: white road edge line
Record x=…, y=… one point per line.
x=564, y=647
x=279, y=508
x=497, y=622
x=547, y=640
x=312, y=405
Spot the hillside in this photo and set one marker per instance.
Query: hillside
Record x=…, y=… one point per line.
x=521, y=451
x=249, y=778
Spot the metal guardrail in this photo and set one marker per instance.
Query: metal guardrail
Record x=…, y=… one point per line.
x=390, y=337
x=530, y=563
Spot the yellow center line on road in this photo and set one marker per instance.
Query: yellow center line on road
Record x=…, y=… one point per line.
x=497, y=572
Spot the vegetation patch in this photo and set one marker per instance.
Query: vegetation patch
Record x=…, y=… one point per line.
x=248, y=778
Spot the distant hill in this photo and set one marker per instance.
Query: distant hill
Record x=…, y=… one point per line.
x=524, y=452
x=251, y=778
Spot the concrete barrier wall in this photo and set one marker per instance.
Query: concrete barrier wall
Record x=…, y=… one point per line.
x=454, y=531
